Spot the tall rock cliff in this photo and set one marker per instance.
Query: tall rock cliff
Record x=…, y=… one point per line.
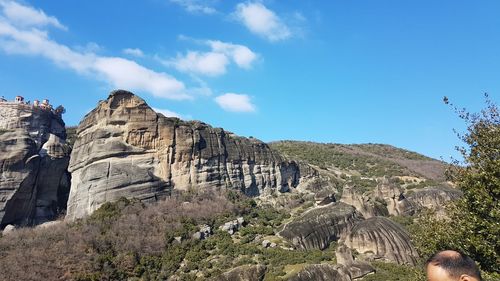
x=124, y=148
x=34, y=182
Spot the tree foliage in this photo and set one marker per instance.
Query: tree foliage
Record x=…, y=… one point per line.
x=473, y=222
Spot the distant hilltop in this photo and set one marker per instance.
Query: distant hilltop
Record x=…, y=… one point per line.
x=43, y=105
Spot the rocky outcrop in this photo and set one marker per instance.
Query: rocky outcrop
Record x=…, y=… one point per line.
x=386, y=199
x=321, y=272
x=381, y=238
x=34, y=182
x=317, y=228
x=431, y=198
x=232, y=226
x=367, y=204
x=38, y=123
x=356, y=268
x=244, y=273
x=124, y=148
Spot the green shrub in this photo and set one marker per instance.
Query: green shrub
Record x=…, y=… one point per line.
x=394, y=272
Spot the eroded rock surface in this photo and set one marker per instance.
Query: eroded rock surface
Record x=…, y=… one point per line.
x=321, y=272
x=317, y=228
x=432, y=198
x=381, y=238
x=356, y=268
x=34, y=182
x=368, y=205
x=244, y=273
x=386, y=199
x=124, y=148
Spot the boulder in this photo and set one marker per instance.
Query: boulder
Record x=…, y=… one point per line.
x=204, y=232
x=124, y=148
x=317, y=228
x=380, y=238
x=266, y=243
x=232, y=226
x=8, y=229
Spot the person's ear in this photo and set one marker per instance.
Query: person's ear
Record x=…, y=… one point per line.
x=465, y=277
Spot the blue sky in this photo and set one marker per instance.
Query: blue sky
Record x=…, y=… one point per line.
x=326, y=71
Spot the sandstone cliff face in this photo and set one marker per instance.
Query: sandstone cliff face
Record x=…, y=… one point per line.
x=34, y=182
x=124, y=148
x=318, y=227
x=381, y=238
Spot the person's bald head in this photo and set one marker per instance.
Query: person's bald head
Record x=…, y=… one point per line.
x=452, y=266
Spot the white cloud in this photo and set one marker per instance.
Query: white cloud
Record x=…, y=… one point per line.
x=209, y=63
x=235, y=102
x=123, y=73
x=195, y=6
x=241, y=55
x=133, y=52
x=167, y=112
x=215, y=61
x=26, y=16
x=119, y=72
x=36, y=42
x=262, y=21
x=202, y=90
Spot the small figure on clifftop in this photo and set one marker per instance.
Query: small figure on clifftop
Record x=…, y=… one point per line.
x=452, y=266
x=60, y=110
x=19, y=99
x=2, y=99
x=45, y=104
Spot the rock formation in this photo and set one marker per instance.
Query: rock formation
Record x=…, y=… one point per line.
x=431, y=197
x=356, y=268
x=386, y=199
x=34, y=183
x=124, y=148
x=381, y=238
x=321, y=272
x=244, y=273
x=318, y=227
x=367, y=204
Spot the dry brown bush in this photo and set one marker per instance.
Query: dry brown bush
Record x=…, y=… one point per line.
x=67, y=251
